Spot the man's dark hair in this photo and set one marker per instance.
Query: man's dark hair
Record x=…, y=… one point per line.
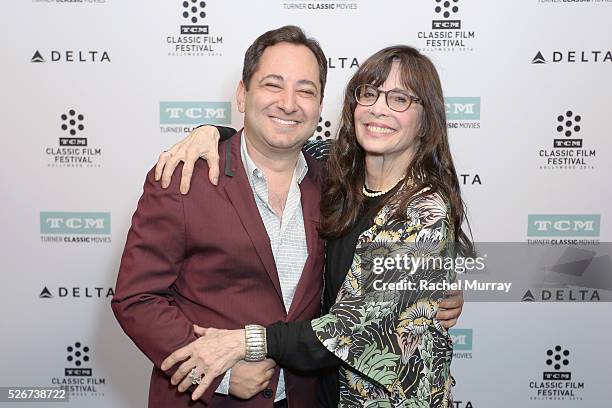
x=289, y=34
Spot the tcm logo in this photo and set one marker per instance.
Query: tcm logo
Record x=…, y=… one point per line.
x=77, y=354
x=563, y=225
x=201, y=30
x=567, y=143
x=462, y=339
x=446, y=24
x=446, y=9
x=462, y=107
x=77, y=372
x=568, y=124
x=195, y=113
x=557, y=358
x=73, y=141
x=567, y=376
x=193, y=12
x=91, y=223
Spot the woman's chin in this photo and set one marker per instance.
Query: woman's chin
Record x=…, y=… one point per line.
x=372, y=148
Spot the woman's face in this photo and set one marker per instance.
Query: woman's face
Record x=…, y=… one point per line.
x=387, y=133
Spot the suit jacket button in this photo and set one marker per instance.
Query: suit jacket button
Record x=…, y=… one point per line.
x=268, y=393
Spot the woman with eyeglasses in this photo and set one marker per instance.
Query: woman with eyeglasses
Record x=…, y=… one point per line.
x=391, y=193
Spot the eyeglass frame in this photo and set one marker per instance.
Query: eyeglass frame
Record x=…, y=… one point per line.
x=412, y=98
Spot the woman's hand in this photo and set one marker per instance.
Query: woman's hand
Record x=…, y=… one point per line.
x=202, y=142
x=450, y=308
x=211, y=355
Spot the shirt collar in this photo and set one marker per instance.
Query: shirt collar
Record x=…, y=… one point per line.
x=301, y=168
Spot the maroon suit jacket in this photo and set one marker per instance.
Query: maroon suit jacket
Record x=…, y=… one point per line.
x=205, y=258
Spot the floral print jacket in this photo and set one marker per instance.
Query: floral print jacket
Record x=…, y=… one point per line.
x=395, y=353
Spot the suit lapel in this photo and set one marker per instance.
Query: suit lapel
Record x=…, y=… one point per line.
x=311, y=193
x=240, y=194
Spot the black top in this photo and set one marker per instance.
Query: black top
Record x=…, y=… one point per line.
x=294, y=345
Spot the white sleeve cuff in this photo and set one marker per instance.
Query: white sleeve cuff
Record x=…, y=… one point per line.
x=223, y=388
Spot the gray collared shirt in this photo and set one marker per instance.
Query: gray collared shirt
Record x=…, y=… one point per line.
x=286, y=232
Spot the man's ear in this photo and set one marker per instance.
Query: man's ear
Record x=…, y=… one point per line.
x=241, y=96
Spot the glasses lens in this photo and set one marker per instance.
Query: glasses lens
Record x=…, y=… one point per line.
x=366, y=95
x=398, y=101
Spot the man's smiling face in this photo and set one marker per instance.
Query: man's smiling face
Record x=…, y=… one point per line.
x=283, y=103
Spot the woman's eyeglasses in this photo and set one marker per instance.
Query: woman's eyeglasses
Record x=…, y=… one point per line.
x=398, y=101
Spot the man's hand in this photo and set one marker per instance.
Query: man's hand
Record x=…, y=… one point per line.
x=202, y=142
x=210, y=355
x=450, y=308
x=249, y=379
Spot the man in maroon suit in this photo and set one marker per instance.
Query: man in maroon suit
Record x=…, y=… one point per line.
x=208, y=258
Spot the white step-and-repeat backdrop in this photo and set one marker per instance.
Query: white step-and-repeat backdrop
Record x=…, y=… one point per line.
x=93, y=90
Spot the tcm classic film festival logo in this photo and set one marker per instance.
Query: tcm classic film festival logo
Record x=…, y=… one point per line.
x=75, y=227
x=73, y=148
x=568, y=150
x=178, y=117
x=557, y=382
x=78, y=379
x=195, y=37
x=447, y=31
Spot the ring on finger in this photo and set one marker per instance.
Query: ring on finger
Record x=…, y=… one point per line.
x=194, y=377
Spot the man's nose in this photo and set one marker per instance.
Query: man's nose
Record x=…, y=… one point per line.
x=288, y=101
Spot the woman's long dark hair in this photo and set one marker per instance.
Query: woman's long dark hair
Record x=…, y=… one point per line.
x=432, y=165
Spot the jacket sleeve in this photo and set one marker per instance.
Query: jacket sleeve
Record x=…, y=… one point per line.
x=151, y=263
x=225, y=133
x=318, y=149
x=294, y=345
